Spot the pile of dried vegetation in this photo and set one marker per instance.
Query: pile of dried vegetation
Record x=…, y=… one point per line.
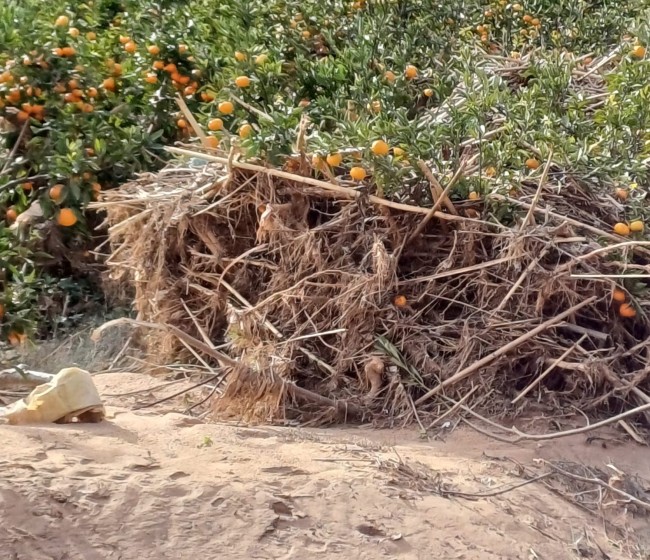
x=317, y=300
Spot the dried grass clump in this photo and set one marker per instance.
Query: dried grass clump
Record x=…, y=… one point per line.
x=327, y=296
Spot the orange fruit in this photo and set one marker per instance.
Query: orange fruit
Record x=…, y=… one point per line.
x=411, y=72
x=490, y=171
x=62, y=21
x=55, y=192
x=22, y=116
x=621, y=193
x=245, y=130
x=91, y=35
x=535, y=22
x=109, y=84
x=532, y=163
x=87, y=108
x=215, y=124
x=151, y=78
x=189, y=91
x=618, y=295
x=637, y=226
x=400, y=301
x=390, y=76
x=153, y=50
x=90, y=152
x=27, y=186
x=242, y=81
x=428, y=92
x=627, y=311
x=16, y=339
x=517, y=7
x=358, y=173
x=316, y=161
x=380, y=148
x=68, y=51
x=124, y=40
x=261, y=59
x=158, y=65
x=334, y=160
x=527, y=18
x=212, y=142
x=170, y=68
x=11, y=215
x=398, y=152
x=621, y=229
x=240, y=56
x=207, y=96
x=638, y=51
x=74, y=32
x=473, y=195
x=306, y=34
x=181, y=123
x=130, y=47
x=184, y=80
x=182, y=49
x=117, y=69
x=73, y=84
x=66, y=217
x=226, y=107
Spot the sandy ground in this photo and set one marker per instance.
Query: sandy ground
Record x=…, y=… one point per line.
x=154, y=484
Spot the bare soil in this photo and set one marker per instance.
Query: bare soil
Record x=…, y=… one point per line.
x=155, y=484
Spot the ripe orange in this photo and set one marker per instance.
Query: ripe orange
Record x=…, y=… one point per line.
x=189, y=91
x=473, y=195
x=170, y=68
x=226, y=107
x=184, y=80
x=527, y=18
x=16, y=339
x=532, y=163
x=182, y=49
x=306, y=34
x=14, y=96
x=91, y=35
x=618, y=295
x=158, y=65
x=400, y=301
x=316, y=161
x=207, y=96
x=411, y=72
x=638, y=51
x=58, y=51
x=242, y=81
x=27, y=187
x=245, y=130
x=153, y=50
x=334, y=160
x=212, y=142
x=73, y=84
x=380, y=148
x=66, y=217
x=74, y=32
x=428, y=92
x=68, y=51
x=22, y=116
x=627, y=311
x=109, y=84
x=621, y=193
x=181, y=123
x=261, y=59
x=11, y=215
x=215, y=124
x=490, y=171
x=358, y=173
x=621, y=229
x=124, y=40
x=130, y=47
x=535, y=22
x=390, y=76
x=151, y=78
x=62, y=21
x=637, y=226
x=398, y=152
x=55, y=192
x=517, y=7
x=240, y=56
x=87, y=108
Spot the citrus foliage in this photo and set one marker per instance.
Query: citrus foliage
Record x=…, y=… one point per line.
x=88, y=91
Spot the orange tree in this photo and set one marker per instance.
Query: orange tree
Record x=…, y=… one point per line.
x=87, y=96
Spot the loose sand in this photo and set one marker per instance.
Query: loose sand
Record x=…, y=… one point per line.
x=154, y=484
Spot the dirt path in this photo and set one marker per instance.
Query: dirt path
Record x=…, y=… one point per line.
x=157, y=485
